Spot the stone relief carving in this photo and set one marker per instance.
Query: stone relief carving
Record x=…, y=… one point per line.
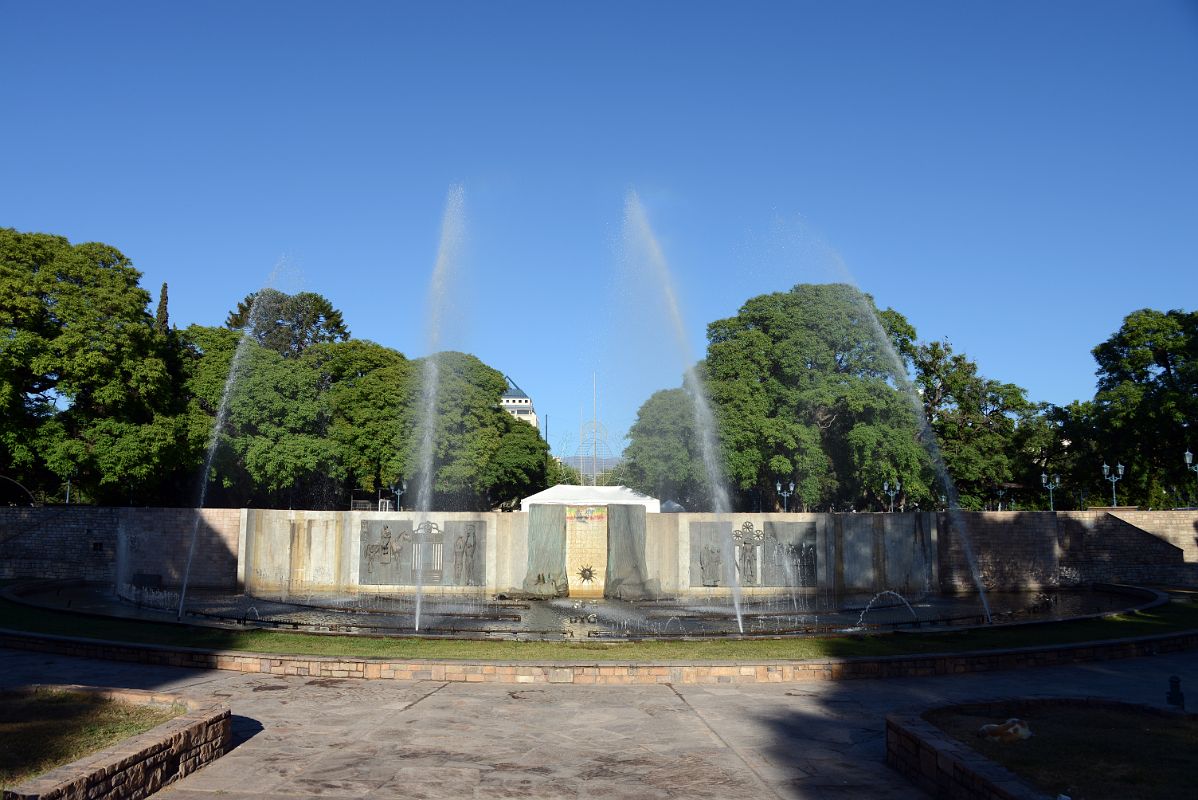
x=711, y=562
x=748, y=544
x=464, y=547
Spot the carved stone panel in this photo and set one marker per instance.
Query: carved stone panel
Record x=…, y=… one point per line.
x=711, y=553
x=789, y=554
x=465, y=553
x=386, y=554
x=394, y=553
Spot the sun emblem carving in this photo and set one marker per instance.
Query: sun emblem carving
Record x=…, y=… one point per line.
x=587, y=574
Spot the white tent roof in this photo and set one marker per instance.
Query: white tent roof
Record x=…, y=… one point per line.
x=568, y=495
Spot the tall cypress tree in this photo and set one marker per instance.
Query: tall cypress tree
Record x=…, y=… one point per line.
x=160, y=319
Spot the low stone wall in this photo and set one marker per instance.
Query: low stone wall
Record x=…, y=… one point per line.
x=140, y=765
x=58, y=542
x=598, y=672
x=946, y=767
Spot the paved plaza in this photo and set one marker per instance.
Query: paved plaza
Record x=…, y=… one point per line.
x=332, y=738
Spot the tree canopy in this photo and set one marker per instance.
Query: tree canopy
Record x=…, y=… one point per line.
x=1147, y=398
x=288, y=323
x=818, y=387
x=988, y=432
x=663, y=458
x=804, y=383
x=814, y=386
x=97, y=390
x=84, y=380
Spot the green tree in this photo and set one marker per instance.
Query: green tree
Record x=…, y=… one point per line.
x=368, y=387
x=1147, y=397
x=288, y=324
x=558, y=472
x=84, y=381
x=805, y=387
x=273, y=448
x=663, y=457
x=161, y=320
x=990, y=435
x=1074, y=452
x=467, y=427
x=520, y=465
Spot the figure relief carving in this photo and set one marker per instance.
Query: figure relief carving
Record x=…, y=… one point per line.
x=464, y=547
x=381, y=552
x=748, y=541
x=711, y=560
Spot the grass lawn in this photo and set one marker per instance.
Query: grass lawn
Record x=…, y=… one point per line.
x=1090, y=753
x=46, y=729
x=1182, y=614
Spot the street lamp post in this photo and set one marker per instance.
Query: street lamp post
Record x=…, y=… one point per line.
x=892, y=492
x=1114, y=476
x=786, y=493
x=1050, y=485
x=1190, y=465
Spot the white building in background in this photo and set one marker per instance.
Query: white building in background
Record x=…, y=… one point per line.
x=515, y=402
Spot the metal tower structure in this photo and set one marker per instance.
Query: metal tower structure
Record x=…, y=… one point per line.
x=594, y=458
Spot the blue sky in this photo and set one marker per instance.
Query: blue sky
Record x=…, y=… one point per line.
x=1013, y=176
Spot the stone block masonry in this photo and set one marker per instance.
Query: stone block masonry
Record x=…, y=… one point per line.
x=945, y=768
x=83, y=542
x=605, y=673
x=58, y=542
x=140, y=765
x=1035, y=549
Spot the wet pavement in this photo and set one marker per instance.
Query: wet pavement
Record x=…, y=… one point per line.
x=333, y=738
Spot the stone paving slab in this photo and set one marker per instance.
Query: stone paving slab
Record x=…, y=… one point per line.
x=300, y=737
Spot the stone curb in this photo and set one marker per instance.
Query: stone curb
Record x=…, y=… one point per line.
x=140, y=765
x=606, y=673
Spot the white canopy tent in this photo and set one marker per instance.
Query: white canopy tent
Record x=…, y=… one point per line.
x=569, y=495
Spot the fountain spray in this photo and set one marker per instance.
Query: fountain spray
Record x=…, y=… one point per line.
x=639, y=238
x=448, y=254
x=222, y=413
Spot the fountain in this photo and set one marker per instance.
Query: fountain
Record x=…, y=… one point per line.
x=928, y=439
x=874, y=599
x=665, y=575
x=447, y=257
x=222, y=412
x=639, y=238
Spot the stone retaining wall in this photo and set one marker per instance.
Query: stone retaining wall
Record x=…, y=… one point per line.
x=64, y=542
x=141, y=765
x=866, y=552
x=1035, y=549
